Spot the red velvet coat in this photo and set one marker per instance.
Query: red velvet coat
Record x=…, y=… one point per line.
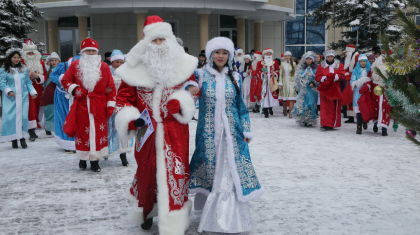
x=162, y=175
x=91, y=112
x=330, y=108
x=274, y=68
x=34, y=104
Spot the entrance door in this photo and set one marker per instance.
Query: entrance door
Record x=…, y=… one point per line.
x=229, y=33
x=69, y=42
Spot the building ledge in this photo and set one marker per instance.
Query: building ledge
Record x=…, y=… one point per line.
x=75, y=3
x=274, y=8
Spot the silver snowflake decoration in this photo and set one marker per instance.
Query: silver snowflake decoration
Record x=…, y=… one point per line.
x=78, y=141
x=103, y=140
x=87, y=144
x=102, y=127
x=87, y=130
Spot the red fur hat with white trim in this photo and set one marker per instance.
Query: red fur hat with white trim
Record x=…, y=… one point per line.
x=89, y=44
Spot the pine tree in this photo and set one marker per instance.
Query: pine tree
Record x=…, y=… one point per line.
x=403, y=82
x=364, y=20
x=15, y=24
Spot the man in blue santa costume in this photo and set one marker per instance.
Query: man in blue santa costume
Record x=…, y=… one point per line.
x=239, y=61
x=154, y=78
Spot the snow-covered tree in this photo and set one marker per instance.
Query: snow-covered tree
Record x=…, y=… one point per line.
x=363, y=21
x=16, y=17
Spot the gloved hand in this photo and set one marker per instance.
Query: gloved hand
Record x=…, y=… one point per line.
x=79, y=92
x=109, y=112
x=173, y=106
x=133, y=125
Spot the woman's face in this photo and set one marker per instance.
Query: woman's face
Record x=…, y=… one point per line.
x=220, y=57
x=330, y=58
x=287, y=57
x=54, y=62
x=309, y=61
x=117, y=63
x=318, y=58
x=363, y=63
x=16, y=59
x=246, y=60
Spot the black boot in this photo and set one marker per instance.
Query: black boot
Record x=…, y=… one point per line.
x=124, y=161
x=94, y=166
x=344, y=111
x=360, y=122
x=365, y=126
x=318, y=108
x=82, y=164
x=14, y=144
x=326, y=128
x=147, y=224
x=359, y=129
x=384, y=131
x=375, y=127
x=256, y=109
x=32, y=134
x=270, y=110
x=351, y=120
x=265, y=111
x=23, y=143
x=48, y=132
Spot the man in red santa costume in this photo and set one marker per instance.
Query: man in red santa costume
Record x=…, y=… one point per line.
x=154, y=78
x=330, y=72
x=31, y=57
x=267, y=70
x=352, y=57
x=87, y=80
x=254, y=81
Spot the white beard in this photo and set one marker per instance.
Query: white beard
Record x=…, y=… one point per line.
x=89, y=70
x=162, y=61
x=33, y=62
x=240, y=59
x=268, y=60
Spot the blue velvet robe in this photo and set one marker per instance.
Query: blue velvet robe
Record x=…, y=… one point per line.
x=236, y=123
x=15, y=109
x=61, y=107
x=305, y=108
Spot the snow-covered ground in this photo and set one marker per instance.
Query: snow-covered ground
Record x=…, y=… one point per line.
x=316, y=182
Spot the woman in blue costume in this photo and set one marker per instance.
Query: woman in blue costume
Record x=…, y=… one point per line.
x=358, y=78
x=62, y=103
x=305, y=84
x=115, y=144
x=221, y=171
x=53, y=60
x=16, y=88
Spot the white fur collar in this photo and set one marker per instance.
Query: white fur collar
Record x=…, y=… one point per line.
x=214, y=72
x=139, y=77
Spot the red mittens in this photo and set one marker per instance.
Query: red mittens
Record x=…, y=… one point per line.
x=173, y=106
x=109, y=112
x=80, y=92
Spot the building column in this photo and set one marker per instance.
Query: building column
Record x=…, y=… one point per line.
x=141, y=17
x=258, y=34
x=52, y=33
x=240, y=27
x=83, y=26
x=204, y=28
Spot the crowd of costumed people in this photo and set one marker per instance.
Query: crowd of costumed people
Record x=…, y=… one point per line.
x=142, y=102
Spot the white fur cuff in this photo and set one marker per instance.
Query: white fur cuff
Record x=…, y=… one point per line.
x=7, y=90
x=33, y=92
x=122, y=119
x=41, y=78
x=110, y=104
x=249, y=135
x=187, y=106
x=336, y=78
x=61, y=77
x=176, y=222
x=323, y=78
x=361, y=81
x=71, y=88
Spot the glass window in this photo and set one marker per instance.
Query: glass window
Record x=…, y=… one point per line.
x=417, y=20
x=70, y=22
x=297, y=51
x=313, y=4
x=316, y=49
x=295, y=30
x=300, y=7
x=227, y=21
x=66, y=44
x=315, y=34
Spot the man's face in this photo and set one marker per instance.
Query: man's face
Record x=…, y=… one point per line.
x=202, y=58
x=239, y=54
x=158, y=41
x=91, y=52
x=371, y=61
x=330, y=58
x=30, y=53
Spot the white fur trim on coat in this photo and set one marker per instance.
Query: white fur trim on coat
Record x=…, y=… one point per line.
x=7, y=90
x=41, y=79
x=89, y=48
x=249, y=135
x=360, y=82
x=176, y=222
x=218, y=43
x=110, y=104
x=187, y=106
x=138, y=76
x=33, y=92
x=122, y=119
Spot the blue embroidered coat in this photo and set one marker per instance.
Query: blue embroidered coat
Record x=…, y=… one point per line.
x=15, y=109
x=220, y=103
